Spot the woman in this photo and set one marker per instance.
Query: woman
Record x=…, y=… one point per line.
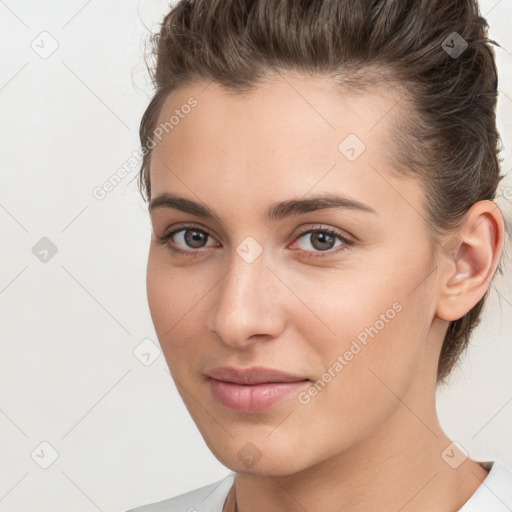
x=321, y=180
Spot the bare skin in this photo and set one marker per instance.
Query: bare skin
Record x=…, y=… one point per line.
x=371, y=438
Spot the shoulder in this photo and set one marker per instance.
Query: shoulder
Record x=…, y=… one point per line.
x=209, y=498
x=495, y=492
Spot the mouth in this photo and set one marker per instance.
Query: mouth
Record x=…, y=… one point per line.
x=252, y=375
x=253, y=389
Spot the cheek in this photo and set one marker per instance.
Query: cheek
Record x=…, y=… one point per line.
x=364, y=367
x=169, y=299
x=371, y=322
x=175, y=302
x=161, y=293
x=171, y=291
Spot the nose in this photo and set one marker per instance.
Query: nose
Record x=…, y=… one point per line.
x=247, y=303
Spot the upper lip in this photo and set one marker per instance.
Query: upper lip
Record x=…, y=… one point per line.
x=252, y=375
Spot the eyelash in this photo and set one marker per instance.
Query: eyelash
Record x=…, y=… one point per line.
x=165, y=239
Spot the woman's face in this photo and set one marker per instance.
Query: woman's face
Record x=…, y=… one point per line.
x=350, y=309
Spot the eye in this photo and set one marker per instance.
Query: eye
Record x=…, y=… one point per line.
x=188, y=240
x=322, y=240
x=187, y=237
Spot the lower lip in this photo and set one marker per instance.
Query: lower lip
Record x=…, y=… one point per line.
x=253, y=398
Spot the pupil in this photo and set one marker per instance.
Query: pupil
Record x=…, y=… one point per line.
x=323, y=239
x=195, y=239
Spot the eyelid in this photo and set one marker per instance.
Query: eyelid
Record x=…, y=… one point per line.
x=168, y=233
x=301, y=231
x=346, y=237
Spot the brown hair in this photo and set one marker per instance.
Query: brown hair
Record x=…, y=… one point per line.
x=437, y=51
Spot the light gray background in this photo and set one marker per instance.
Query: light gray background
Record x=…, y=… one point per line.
x=69, y=326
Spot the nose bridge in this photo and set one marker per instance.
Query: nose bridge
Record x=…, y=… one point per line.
x=246, y=299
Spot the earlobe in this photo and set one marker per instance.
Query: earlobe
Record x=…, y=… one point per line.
x=467, y=274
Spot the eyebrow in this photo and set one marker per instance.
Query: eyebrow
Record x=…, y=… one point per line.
x=277, y=211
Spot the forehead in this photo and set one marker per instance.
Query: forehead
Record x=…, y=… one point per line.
x=288, y=136
x=302, y=106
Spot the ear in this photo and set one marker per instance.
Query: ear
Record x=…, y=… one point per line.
x=469, y=260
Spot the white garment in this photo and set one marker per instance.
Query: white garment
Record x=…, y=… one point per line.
x=493, y=495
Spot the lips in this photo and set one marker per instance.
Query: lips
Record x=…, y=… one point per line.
x=252, y=390
x=252, y=375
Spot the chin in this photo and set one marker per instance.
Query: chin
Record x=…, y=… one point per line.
x=263, y=467
x=259, y=457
